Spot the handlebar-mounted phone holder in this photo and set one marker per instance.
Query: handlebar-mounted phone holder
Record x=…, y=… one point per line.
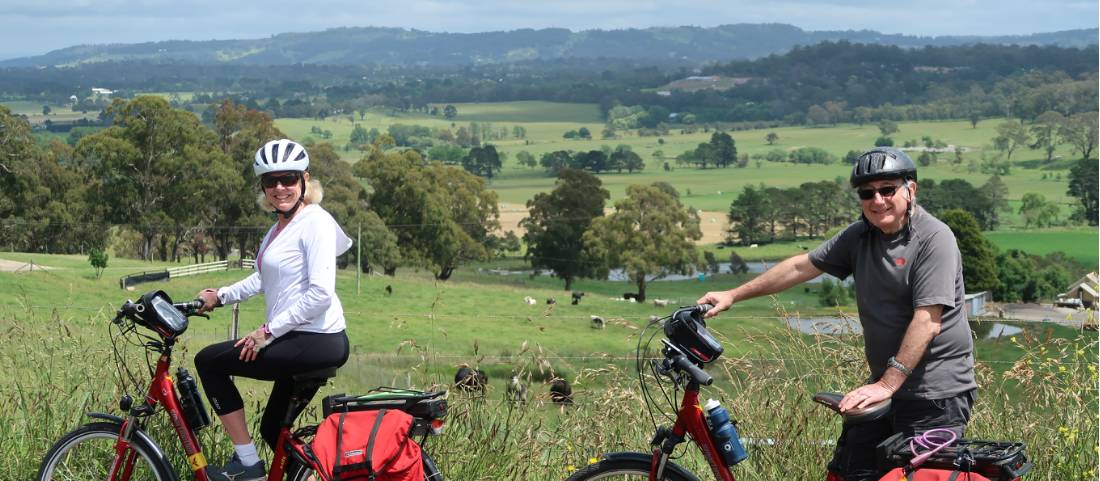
x=687, y=331
x=155, y=310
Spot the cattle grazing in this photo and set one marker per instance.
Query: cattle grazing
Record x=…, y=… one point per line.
x=471, y=380
x=660, y=302
x=530, y=301
x=598, y=322
x=560, y=392
x=389, y=290
x=551, y=301
x=517, y=391
x=630, y=296
x=577, y=297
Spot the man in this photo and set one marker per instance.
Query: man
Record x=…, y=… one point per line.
x=909, y=291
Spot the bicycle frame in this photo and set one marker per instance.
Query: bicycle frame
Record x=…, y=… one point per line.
x=162, y=391
x=689, y=420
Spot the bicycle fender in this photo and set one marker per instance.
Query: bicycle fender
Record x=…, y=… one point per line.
x=648, y=458
x=157, y=452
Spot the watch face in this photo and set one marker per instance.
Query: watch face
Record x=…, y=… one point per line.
x=173, y=319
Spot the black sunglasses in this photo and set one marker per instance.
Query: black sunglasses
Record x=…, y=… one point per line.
x=269, y=180
x=886, y=192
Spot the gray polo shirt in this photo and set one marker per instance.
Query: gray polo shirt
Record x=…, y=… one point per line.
x=894, y=274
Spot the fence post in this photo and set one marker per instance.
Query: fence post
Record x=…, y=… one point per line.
x=359, y=260
x=236, y=321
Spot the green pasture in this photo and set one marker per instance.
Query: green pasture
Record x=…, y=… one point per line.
x=709, y=189
x=1079, y=244
x=33, y=111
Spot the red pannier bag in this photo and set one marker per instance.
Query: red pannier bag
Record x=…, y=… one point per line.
x=368, y=446
x=899, y=474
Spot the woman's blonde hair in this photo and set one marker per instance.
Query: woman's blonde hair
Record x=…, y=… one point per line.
x=314, y=194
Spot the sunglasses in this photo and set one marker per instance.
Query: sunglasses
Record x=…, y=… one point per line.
x=886, y=192
x=287, y=180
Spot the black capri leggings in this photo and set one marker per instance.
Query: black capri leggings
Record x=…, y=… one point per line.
x=293, y=353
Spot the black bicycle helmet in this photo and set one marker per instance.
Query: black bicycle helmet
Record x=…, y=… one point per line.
x=882, y=163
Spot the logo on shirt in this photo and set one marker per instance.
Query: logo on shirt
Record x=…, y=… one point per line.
x=900, y=261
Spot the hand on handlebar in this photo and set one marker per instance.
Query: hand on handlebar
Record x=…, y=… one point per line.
x=721, y=300
x=210, y=300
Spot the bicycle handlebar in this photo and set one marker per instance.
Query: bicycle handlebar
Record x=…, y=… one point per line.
x=681, y=362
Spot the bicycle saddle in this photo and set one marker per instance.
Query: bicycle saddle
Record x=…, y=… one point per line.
x=319, y=375
x=865, y=414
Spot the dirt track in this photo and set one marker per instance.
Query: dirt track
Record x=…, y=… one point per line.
x=12, y=266
x=713, y=224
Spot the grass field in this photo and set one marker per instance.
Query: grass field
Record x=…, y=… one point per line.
x=1079, y=244
x=56, y=319
x=711, y=189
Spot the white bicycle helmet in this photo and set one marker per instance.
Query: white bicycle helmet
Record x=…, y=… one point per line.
x=280, y=155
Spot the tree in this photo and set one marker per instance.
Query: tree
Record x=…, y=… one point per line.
x=884, y=141
x=832, y=294
x=1037, y=211
x=771, y=138
x=817, y=115
x=1080, y=131
x=450, y=112
x=584, y=133
x=1011, y=135
x=996, y=192
x=650, y=234
x=98, y=259
x=46, y=110
x=978, y=254
x=1045, y=130
x=724, y=149
x=746, y=216
x=526, y=159
x=1083, y=185
x=483, y=161
x=140, y=163
x=956, y=194
x=442, y=216
x=625, y=158
x=887, y=127
x=359, y=135
x=557, y=223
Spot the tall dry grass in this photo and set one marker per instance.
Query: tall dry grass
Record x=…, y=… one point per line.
x=57, y=369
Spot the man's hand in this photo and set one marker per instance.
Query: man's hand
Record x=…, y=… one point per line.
x=209, y=300
x=252, y=344
x=867, y=395
x=721, y=300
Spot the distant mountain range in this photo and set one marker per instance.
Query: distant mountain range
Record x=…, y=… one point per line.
x=395, y=46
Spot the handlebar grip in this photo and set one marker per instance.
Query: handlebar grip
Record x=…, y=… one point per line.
x=191, y=306
x=703, y=308
x=696, y=372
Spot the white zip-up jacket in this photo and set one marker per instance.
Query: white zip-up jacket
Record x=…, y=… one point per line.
x=296, y=273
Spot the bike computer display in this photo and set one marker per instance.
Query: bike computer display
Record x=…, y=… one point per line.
x=687, y=330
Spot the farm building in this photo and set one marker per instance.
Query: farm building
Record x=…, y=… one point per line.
x=976, y=302
x=1084, y=289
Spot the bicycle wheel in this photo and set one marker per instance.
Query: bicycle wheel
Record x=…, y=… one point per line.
x=431, y=472
x=623, y=470
x=88, y=452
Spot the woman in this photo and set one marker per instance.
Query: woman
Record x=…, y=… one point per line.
x=296, y=272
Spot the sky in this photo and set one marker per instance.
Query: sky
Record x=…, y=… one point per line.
x=34, y=27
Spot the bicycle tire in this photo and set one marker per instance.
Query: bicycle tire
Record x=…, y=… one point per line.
x=87, y=453
x=622, y=469
x=431, y=471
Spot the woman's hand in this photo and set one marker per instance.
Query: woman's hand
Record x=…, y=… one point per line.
x=210, y=300
x=252, y=344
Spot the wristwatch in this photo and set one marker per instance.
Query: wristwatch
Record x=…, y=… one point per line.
x=894, y=363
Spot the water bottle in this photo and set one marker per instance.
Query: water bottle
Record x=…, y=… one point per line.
x=194, y=411
x=724, y=433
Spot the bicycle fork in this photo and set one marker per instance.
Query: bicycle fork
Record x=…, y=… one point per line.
x=689, y=421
